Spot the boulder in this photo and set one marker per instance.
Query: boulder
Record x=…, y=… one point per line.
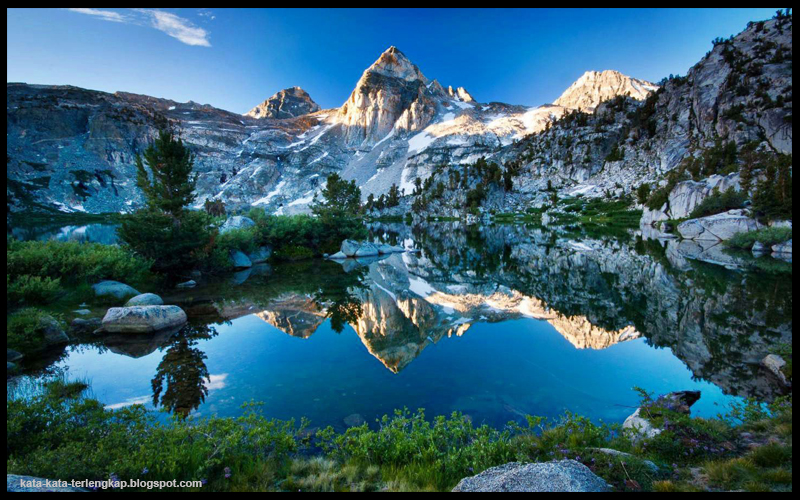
x=338, y=256
x=52, y=331
x=24, y=484
x=384, y=249
x=142, y=319
x=783, y=250
x=680, y=402
x=236, y=222
x=145, y=299
x=565, y=476
x=759, y=249
x=261, y=255
x=775, y=364
x=13, y=356
x=719, y=227
x=187, y=284
x=239, y=260
x=367, y=250
x=114, y=289
x=81, y=325
x=350, y=247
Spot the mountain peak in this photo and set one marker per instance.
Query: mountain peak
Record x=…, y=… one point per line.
x=594, y=87
x=394, y=63
x=288, y=103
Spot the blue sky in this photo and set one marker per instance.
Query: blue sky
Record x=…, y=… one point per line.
x=234, y=59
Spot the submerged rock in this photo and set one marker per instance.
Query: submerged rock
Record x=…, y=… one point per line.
x=114, y=289
x=142, y=319
x=354, y=420
x=145, y=299
x=187, y=284
x=81, y=325
x=565, y=476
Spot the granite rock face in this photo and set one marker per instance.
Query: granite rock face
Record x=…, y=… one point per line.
x=288, y=103
x=565, y=476
x=594, y=87
x=719, y=227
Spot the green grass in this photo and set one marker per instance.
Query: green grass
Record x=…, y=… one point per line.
x=767, y=236
x=56, y=431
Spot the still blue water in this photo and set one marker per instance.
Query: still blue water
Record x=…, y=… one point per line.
x=495, y=323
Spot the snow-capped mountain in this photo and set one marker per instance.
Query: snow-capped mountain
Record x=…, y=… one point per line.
x=73, y=149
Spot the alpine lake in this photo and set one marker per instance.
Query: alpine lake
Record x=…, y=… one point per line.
x=495, y=321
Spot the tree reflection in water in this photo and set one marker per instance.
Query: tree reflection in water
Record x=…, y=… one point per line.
x=180, y=382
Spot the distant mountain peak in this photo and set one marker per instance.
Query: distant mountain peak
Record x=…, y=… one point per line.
x=395, y=64
x=288, y=103
x=594, y=87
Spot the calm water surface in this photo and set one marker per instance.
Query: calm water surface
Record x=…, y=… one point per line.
x=496, y=322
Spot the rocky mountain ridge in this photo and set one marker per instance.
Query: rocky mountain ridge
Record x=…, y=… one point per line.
x=73, y=150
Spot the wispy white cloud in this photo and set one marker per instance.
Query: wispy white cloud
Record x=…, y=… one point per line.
x=106, y=15
x=173, y=25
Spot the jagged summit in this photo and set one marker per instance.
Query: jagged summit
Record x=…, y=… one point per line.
x=594, y=87
x=288, y=103
x=395, y=64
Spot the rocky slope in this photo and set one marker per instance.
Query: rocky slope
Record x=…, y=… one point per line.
x=288, y=103
x=73, y=149
x=594, y=87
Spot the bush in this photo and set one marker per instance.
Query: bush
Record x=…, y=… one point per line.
x=717, y=203
x=37, y=271
x=767, y=236
x=25, y=329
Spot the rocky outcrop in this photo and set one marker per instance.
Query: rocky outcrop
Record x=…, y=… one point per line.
x=639, y=422
x=145, y=299
x=114, y=289
x=288, y=103
x=236, y=222
x=142, y=319
x=775, y=365
x=565, y=476
x=719, y=227
x=595, y=87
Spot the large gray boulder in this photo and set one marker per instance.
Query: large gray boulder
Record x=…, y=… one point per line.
x=142, y=319
x=261, y=255
x=236, y=222
x=239, y=260
x=350, y=247
x=52, y=331
x=565, y=476
x=719, y=227
x=783, y=250
x=114, y=289
x=338, y=256
x=367, y=250
x=145, y=299
x=25, y=484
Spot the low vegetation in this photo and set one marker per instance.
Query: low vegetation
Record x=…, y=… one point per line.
x=56, y=431
x=767, y=236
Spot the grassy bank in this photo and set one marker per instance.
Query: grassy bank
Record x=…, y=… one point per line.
x=56, y=431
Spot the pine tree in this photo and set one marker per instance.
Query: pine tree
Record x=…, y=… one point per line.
x=169, y=187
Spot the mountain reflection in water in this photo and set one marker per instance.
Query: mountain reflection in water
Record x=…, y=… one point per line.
x=597, y=293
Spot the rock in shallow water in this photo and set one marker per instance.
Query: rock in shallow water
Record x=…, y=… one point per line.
x=142, y=319
x=239, y=260
x=565, y=476
x=145, y=299
x=114, y=289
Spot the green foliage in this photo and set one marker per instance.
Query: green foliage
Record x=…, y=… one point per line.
x=166, y=232
x=772, y=199
x=718, y=202
x=340, y=200
x=767, y=236
x=25, y=329
x=172, y=244
x=643, y=193
x=169, y=186
x=214, y=208
x=37, y=271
